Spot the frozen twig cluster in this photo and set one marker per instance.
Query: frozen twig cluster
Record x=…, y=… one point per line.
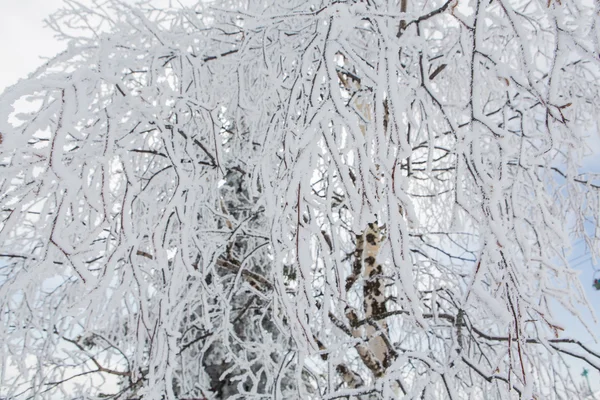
x=292, y=199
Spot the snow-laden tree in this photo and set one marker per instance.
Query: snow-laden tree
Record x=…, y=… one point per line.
x=296, y=199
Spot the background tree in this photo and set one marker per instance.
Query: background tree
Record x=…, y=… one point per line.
x=291, y=199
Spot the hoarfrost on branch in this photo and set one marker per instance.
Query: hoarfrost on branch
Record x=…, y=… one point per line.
x=293, y=199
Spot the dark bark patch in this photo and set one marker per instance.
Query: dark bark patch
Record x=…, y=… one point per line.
x=371, y=239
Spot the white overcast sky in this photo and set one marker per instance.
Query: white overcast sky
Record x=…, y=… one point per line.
x=23, y=37
x=24, y=40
